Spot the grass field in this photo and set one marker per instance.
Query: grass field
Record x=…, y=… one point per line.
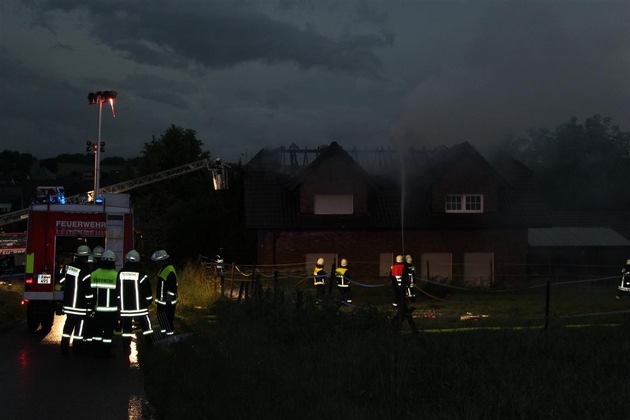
x=266, y=359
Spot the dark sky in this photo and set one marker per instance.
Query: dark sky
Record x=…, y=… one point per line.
x=246, y=74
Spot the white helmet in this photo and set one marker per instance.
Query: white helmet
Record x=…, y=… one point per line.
x=109, y=255
x=83, y=251
x=132, y=256
x=344, y=262
x=98, y=251
x=159, y=255
x=628, y=262
x=320, y=261
x=399, y=258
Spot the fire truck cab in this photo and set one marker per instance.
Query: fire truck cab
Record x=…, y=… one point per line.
x=54, y=233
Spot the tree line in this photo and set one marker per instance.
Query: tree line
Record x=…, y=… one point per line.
x=578, y=166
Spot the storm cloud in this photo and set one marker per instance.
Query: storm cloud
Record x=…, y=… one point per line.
x=250, y=74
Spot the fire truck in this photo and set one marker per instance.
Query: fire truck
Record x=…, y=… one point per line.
x=57, y=225
x=54, y=233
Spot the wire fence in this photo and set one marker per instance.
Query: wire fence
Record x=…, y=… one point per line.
x=548, y=294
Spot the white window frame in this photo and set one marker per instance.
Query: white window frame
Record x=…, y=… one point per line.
x=463, y=203
x=333, y=204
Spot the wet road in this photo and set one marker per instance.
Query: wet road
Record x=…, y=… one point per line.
x=36, y=382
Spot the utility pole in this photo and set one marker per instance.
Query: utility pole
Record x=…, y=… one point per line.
x=99, y=147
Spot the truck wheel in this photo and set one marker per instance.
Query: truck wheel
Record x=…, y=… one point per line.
x=47, y=320
x=32, y=318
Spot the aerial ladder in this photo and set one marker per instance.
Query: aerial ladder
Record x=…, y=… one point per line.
x=217, y=168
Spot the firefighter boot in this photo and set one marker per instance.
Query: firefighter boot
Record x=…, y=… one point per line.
x=65, y=345
x=109, y=350
x=148, y=341
x=78, y=347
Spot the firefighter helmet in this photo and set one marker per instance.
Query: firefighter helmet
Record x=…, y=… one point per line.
x=628, y=262
x=160, y=255
x=91, y=259
x=399, y=258
x=408, y=259
x=132, y=256
x=109, y=256
x=320, y=261
x=83, y=251
x=98, y=251
x=344, y=262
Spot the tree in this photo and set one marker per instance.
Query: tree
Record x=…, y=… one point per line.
x=50, y=164
x=578, y=166
x=182, y=215
x=15, y=166
x=177, y=146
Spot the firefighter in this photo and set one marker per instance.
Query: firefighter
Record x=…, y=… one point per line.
x=319, y=281
x=166, y=291
x=343, y=281
x=134, y=299
x=97, y=253
x=411, y=274
x=219, y=264
x=400, y=282
x=77, y=300
x=106, y=292
x=397, y=275
x=624, y=286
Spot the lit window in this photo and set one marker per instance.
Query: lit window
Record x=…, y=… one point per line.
x=464, y=203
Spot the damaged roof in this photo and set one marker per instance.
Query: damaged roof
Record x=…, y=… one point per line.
x=272, y=200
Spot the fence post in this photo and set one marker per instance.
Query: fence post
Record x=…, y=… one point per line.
x=258, y=289
x=547, y=291
x=232, y=281
x=547, y=296
x=242, y=293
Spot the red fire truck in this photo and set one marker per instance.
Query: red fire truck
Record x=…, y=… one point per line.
x=57, y=225
x=54, y=233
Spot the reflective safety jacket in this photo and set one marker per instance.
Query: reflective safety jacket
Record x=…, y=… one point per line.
x=319, y=276
x=341, y=275
x=398, y=275
x=105, y=285
x=411, y=273
x=135, y=294
x=77, y=292
x=166, y=290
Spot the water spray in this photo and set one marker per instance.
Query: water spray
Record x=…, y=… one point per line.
x=402, y=200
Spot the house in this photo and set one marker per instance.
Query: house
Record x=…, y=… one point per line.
x=459, y=218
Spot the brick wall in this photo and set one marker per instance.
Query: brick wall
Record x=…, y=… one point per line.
x=363, y=248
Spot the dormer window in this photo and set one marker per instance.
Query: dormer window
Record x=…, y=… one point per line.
x=464, y=203
x=334, y=204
